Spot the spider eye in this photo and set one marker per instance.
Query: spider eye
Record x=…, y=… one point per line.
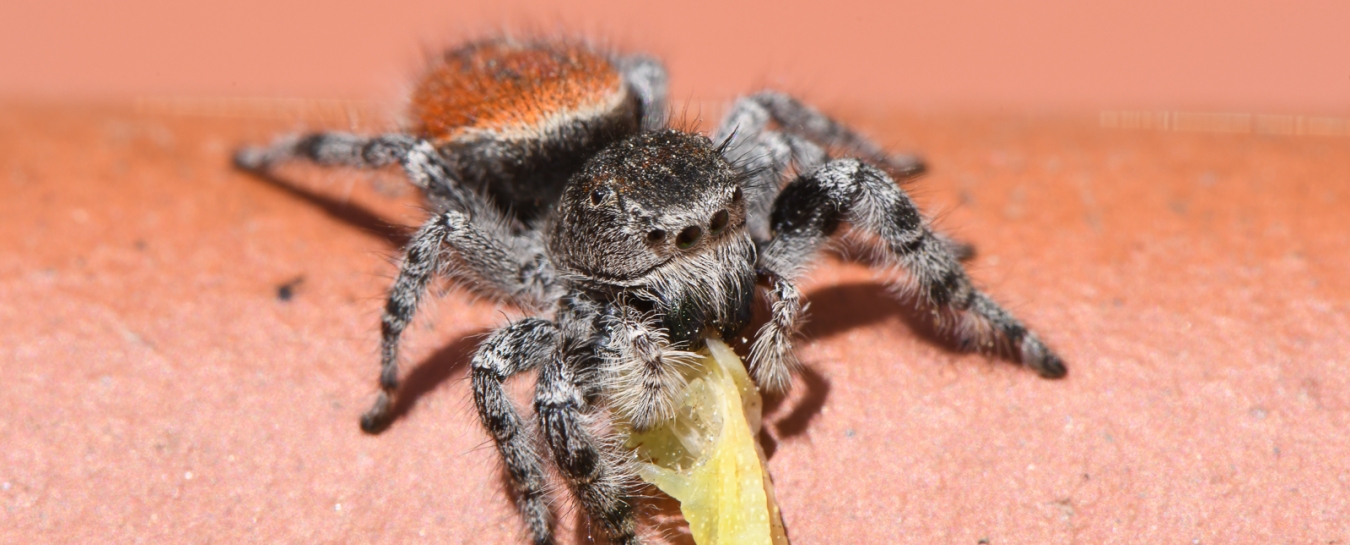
x=738, y=195
x=599, y=194
x=656, y=235
x=719, y=221
x=688, y=237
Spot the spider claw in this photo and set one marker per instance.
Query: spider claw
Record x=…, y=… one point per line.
x=377, y=418
x=1052, y=367
x=251, y=158
x=1046, y=363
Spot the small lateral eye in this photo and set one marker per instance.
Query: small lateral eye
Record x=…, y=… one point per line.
x=656, y=235
x=738, y=195
x=599, y=194
x=719, y=221
x=688, y=237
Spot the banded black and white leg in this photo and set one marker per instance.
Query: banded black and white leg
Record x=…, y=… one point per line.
x=591, y=467
x=772, y=358
x=765, y=155
x=519, y=347
x=797, y=118
x=484, y=256
x=799, y=142
x=419, y=158
x=478, y=238
x=811, y=208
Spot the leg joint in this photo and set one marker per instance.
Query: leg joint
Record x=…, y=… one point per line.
x=386, y=150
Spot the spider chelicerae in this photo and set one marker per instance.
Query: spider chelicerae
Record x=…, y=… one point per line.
x=558, y=186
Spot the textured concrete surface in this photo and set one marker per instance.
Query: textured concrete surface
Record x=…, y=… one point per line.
x=185, y=350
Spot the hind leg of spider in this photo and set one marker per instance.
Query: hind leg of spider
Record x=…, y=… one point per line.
x=512, y=269
x=593, y=469
x=420, y=160
x=795, y=117
x=648, y=78
x=811, y=208
x=487, y=256
x=765, y=156
x=519, y=347
x=328, y=149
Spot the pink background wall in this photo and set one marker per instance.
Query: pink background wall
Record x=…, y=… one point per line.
x=1291, y=57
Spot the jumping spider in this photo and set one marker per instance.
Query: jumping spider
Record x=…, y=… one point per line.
x=558, y=186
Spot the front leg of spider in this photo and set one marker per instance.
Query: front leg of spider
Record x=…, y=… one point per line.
x=520, y=347
x=812, y=207
x=492, y=262
x=564, y=402
x=772, y=359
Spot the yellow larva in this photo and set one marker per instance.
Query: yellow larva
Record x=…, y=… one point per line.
x=708, y=459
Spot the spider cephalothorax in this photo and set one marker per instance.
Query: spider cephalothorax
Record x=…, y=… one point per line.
x=646, y=204
x=557, y=186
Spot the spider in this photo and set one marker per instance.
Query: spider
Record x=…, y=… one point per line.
x=558, y=185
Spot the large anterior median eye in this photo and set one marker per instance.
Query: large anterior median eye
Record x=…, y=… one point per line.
x=688, y=237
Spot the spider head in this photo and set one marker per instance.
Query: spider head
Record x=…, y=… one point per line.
x=653, y=199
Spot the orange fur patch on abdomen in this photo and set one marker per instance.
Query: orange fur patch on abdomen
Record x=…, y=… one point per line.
x=508, y=90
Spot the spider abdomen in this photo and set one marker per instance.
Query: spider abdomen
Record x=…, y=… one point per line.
x=515, y=119
x=502, y=89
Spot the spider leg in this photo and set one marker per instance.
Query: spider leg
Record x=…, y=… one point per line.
x=419, y=159
x=647, y=76
x=796, y=117
x=494, y=265
x=518, y=347
x=810, y=209
x=328, y=149
x=592, y=468
x=765, y=156
x=772, y=359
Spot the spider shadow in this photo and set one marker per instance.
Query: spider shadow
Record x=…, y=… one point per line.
x=836, y=310
x=799, y=417
x=841, y=308
x=347, y=212
x=450, y=362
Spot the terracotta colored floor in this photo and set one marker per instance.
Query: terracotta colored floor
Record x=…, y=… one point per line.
x=157, y=388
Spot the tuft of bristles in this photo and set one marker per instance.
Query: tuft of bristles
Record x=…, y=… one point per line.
x=772, y=360
x=644, y=374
